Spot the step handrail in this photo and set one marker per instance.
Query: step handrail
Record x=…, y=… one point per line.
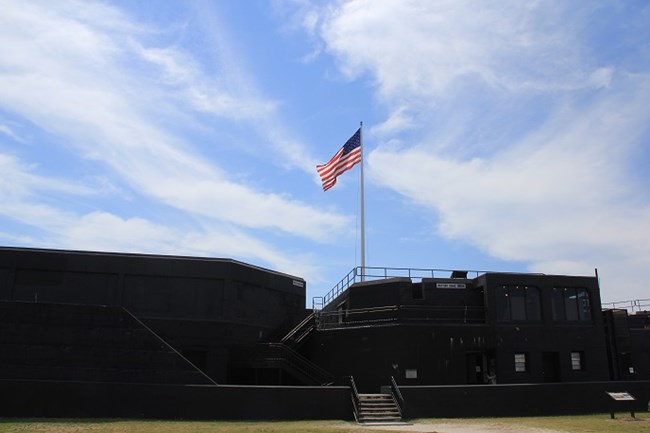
x=397, y=395
x=355, y=399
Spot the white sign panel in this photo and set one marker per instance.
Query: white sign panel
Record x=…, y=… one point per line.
x=450, y=286
x=621, y=396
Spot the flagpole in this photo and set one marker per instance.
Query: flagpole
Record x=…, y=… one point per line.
x=362, y=210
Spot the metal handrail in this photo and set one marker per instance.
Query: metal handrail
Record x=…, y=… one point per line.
x=355, y=399
x=633, y=305
x=373, y=315
x=374, y=273
x=169, y=346
x=304, y=327
x=391, y=314
x=397, y=395
x=301, y=363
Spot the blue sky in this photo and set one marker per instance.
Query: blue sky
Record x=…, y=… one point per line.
x=508, y=136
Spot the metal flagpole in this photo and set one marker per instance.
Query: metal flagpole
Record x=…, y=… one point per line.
x=362, y=210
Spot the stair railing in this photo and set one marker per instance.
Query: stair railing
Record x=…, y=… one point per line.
x=297, y=334
x=397, y=396
x=166, y=344
x=300, y=364
x=355, y=399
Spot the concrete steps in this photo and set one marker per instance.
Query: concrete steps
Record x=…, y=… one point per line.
x=378, y=409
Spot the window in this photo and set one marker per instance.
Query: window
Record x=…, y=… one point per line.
x=570, y=303
x=577, y=361
x=521, y=362
x=518, y=303
x=557, y=303
x=584, y=305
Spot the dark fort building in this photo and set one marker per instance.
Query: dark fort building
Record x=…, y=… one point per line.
x=109, y=334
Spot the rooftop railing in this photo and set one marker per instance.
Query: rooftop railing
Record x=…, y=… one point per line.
x=633, y=306
x=373, y=273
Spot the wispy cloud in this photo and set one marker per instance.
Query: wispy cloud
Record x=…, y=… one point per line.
x=9, y=132
x=550, y=183
x=89, y=78
x=23, y=196
x=419, y=47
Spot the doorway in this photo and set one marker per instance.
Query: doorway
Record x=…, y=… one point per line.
x=551, y=366
x=476, y=367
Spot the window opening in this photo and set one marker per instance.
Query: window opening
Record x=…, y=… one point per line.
x=518, y=303
x=577, y=361
x=521, y=362
x=572, y=304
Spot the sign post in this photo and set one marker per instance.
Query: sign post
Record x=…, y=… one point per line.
x=621, y=396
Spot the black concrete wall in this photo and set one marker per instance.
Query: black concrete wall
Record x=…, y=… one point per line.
x=85, y=343
x=114, y=400
x=106, y=400
x=373, y=355
x=201, y=306
x=522, y=400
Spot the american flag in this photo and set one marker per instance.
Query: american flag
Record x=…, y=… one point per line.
x=346, y=158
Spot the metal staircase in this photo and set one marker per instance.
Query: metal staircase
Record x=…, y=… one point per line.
x=280, y=356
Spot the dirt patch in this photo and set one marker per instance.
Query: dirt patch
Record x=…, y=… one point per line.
x=461, y=428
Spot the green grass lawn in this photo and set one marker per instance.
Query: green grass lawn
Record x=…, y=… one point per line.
x=153, y=426
x=570, y=424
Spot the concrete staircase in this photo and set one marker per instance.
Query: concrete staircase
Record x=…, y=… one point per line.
x=378, y=409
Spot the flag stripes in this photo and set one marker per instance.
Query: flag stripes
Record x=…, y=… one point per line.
x=346, y=158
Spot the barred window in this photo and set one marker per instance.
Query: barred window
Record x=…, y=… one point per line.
x=521, y=362
x=577, y=361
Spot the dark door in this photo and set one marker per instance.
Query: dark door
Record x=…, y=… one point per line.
x=476, y=365
x=551, y=366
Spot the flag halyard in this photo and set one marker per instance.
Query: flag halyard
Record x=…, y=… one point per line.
x=346, y=158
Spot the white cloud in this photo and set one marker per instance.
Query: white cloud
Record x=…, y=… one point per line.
x=69, y=78
x=560, y=199
x=107, y=232
x=526, y=140
x=204, y=94
x=6, y=130
x=92, y=80
x=399, y=120
x=420, y=48
x=19, y=179
x=23, y=197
